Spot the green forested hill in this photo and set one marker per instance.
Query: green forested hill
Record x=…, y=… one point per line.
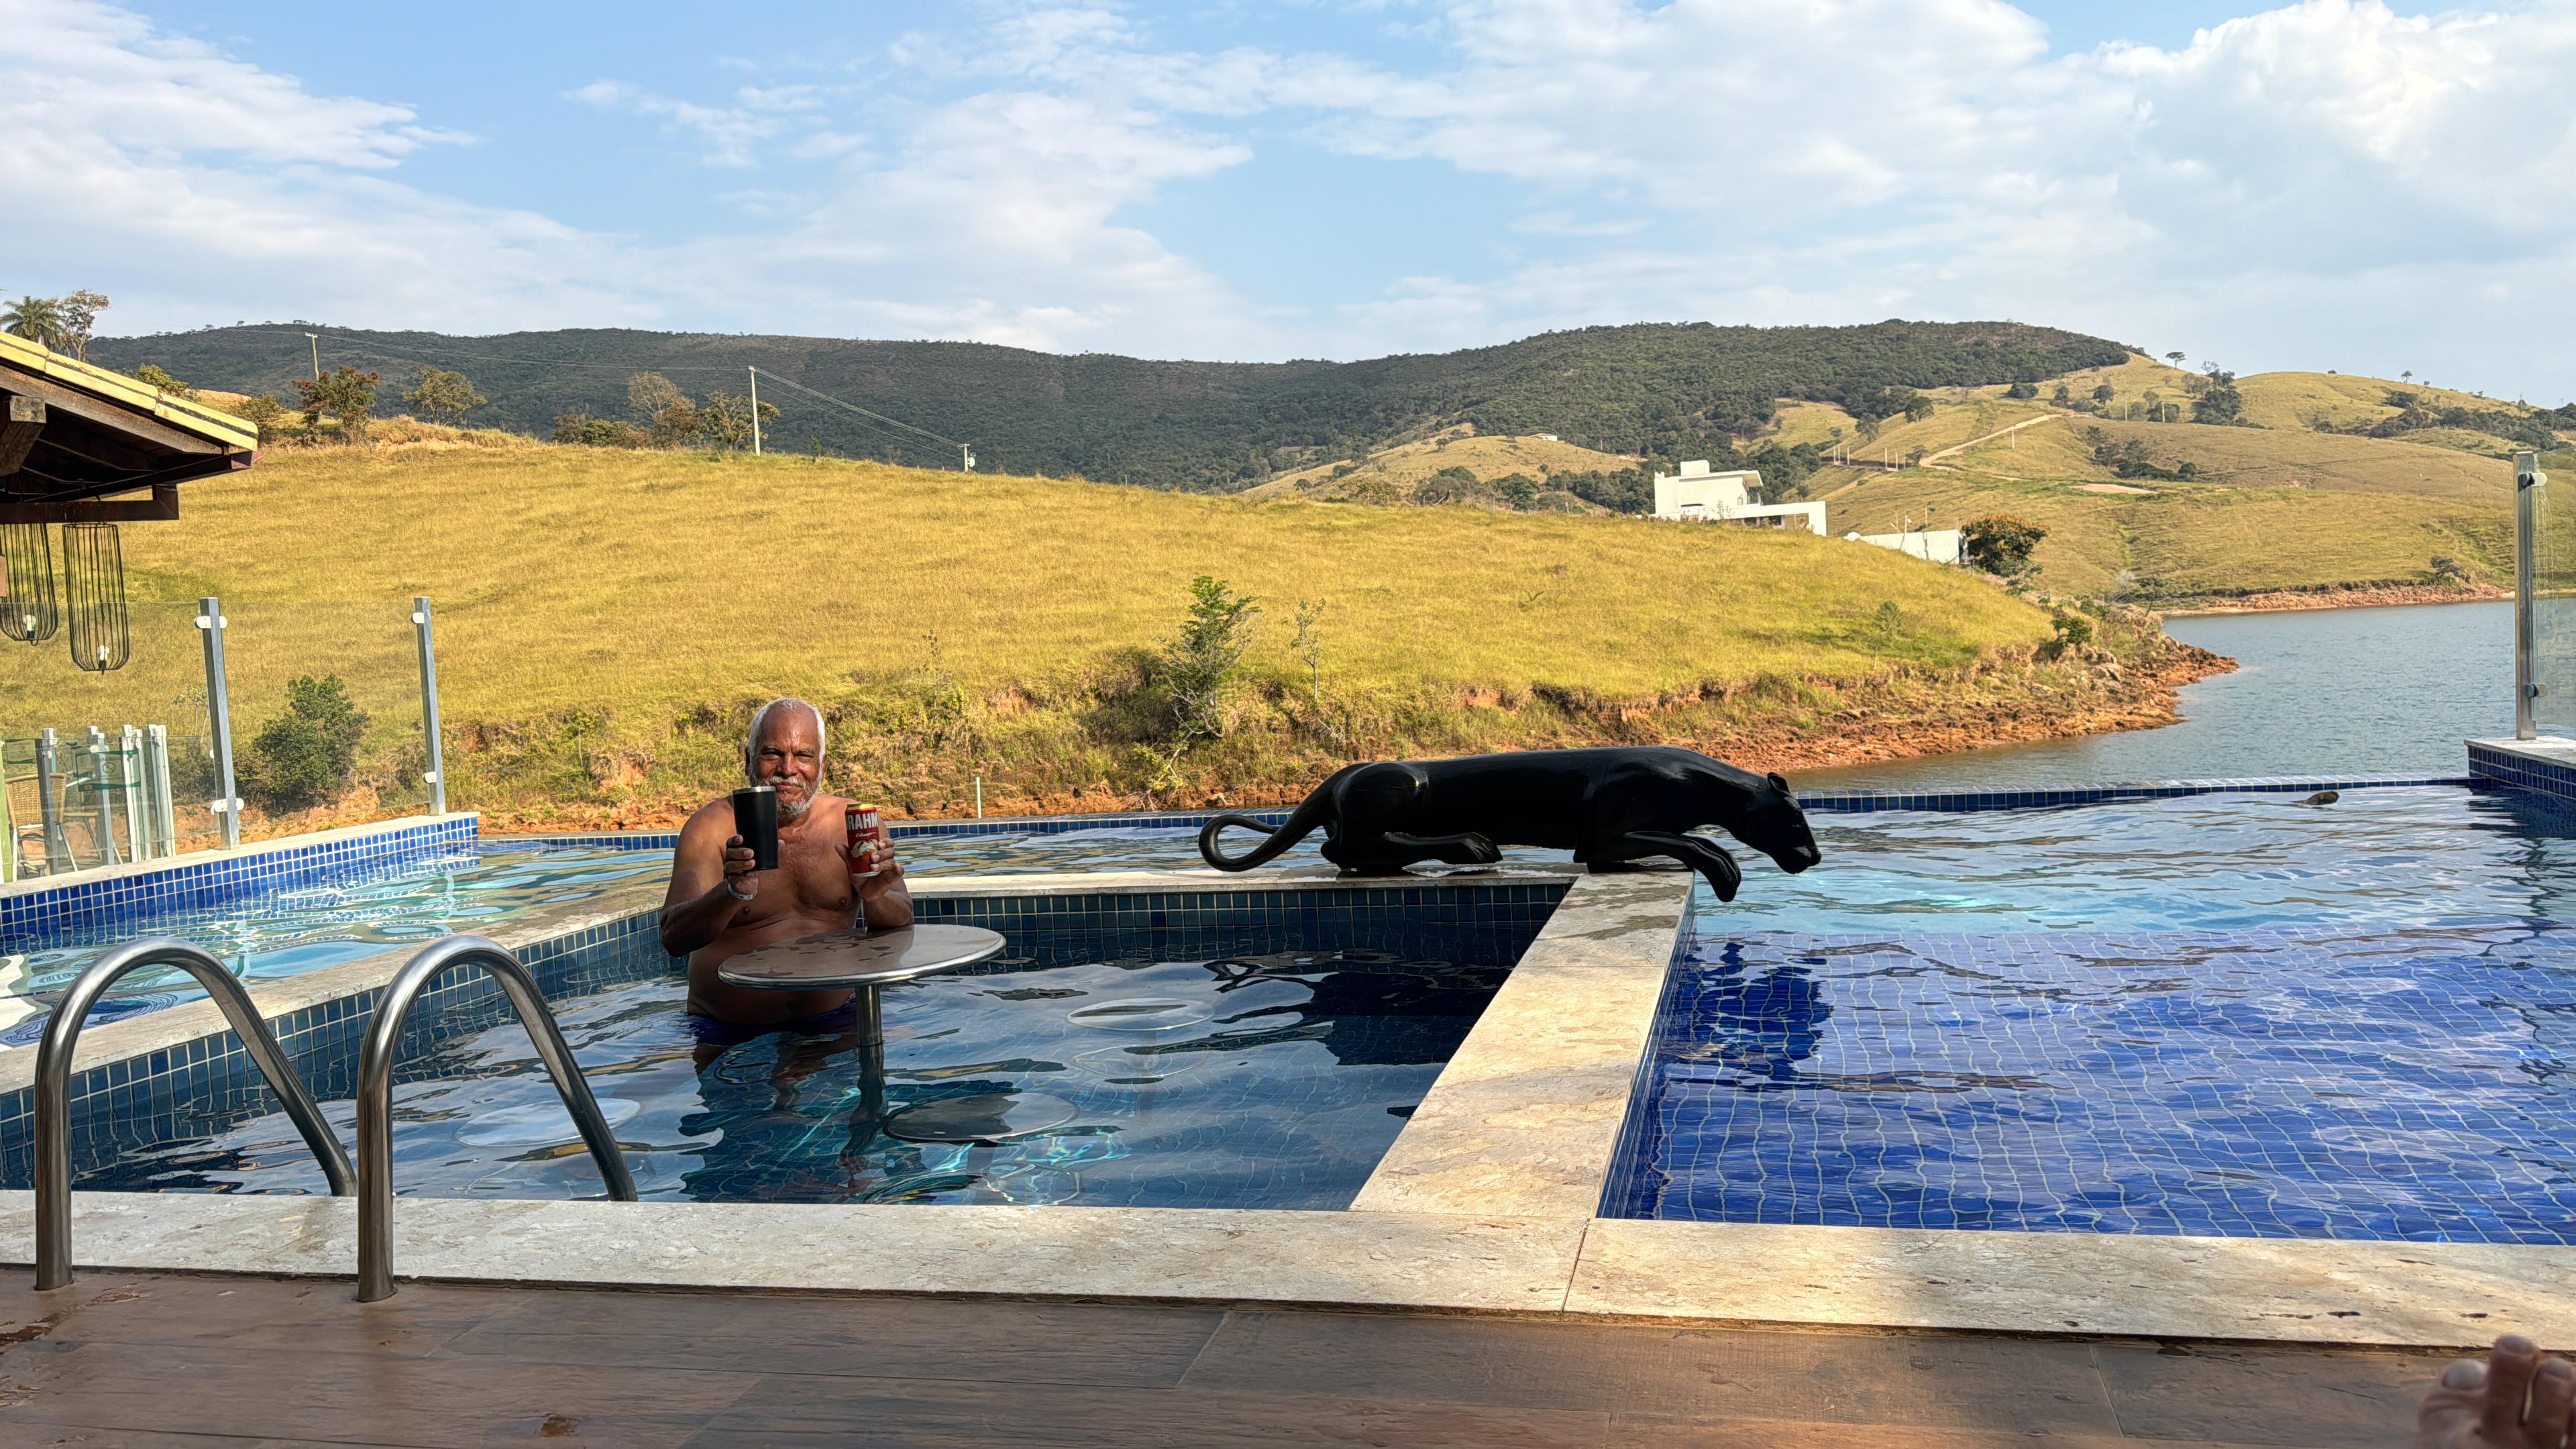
x=1660, y=389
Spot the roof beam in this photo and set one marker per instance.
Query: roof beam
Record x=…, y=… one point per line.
x=18, y=434
x=161, y=507
x=107, y=415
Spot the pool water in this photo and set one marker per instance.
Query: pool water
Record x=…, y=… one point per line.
x=2226, y=1015
x=306, y=928
x=1208, y=1067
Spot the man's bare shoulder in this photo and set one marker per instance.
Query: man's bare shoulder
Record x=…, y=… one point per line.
x=708, y=817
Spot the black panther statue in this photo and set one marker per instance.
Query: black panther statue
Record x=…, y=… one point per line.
x=1608, y=806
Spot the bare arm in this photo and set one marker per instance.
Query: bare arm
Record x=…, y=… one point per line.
x=884, y=900
x=699, y=905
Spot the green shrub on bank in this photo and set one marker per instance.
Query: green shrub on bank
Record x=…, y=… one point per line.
x=307, y=756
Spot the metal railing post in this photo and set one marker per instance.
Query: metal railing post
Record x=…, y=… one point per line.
x=2527, y=480
x=156, y=781
x=129, y=790
x=423, y=622
x=54, y=1086
x=219, y=716
x=101, y=797
x=8, y=826
x=376, y=1091
x=49, y=808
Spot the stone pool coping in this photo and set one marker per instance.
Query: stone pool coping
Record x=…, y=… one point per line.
x=1486, y=1202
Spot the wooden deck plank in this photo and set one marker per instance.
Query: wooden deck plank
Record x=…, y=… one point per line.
x=362, y=1395
x=1022, y=1342
x=2266, y=1396
x=227, y=1362
x=941, y=1415
x=1972, y=1383
x=295, y=1317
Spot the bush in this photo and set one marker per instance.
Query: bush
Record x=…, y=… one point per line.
x=591, y=432
x=308, y=755
x=1201, y=662
x=2001, y=544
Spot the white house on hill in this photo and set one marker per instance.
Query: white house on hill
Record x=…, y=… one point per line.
x=1696, y=495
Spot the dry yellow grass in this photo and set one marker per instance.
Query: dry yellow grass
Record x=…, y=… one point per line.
x=1809, y=422
x=1405, y=466
x=2300, y=400
x=632, y=588
x=2270, y=510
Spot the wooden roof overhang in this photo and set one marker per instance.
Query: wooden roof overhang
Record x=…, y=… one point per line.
x=73, y=437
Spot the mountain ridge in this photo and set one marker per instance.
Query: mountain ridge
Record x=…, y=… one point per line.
x=1658, y=389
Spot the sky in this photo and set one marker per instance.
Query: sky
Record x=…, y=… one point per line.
x=2346, y=184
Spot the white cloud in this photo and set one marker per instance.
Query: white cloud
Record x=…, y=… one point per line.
x=2330, y=183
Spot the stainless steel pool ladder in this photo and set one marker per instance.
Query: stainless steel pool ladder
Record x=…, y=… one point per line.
x=54, y=1081
x=376, y=1092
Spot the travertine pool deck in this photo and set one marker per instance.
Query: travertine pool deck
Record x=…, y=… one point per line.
x=1485, y=1204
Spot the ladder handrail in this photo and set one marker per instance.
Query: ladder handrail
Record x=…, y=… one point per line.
x=54, y=1073
x=376, y=1092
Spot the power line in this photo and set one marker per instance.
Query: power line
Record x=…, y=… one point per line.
x=875, y=420
x=863, y=412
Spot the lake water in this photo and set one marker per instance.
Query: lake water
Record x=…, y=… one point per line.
x=2329, y=691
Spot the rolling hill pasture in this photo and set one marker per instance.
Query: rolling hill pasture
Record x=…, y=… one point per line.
x=608, y=618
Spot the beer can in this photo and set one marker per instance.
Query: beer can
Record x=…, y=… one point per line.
x=868, y=842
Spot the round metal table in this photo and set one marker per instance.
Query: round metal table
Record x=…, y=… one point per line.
x=863, y=959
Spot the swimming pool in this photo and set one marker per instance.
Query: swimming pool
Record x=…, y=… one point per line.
x=2225, y=1016
x=1191, y=1064
x=305, y=928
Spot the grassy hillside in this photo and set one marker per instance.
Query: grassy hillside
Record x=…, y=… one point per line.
x=2268, y=510
x=1673, y=390
x=607, y=619
x=1398, y=473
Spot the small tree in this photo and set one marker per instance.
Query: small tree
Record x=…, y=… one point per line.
x=2175, y=358
x=79, y=313
x=725, y=419
x=264, y=413
x=308, y=755
x=1918, y=407
x=2022, y=390
x=1886, y=629
x=346, y=394
x=2105, y=393
x=159, y=381
x=1203, y=659
x=1309, y=645
x=2000, y=544
x=2219, y=402
x=591, y=432
x=444, y=396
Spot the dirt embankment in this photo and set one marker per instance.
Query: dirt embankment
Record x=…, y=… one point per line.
x=2349, y=596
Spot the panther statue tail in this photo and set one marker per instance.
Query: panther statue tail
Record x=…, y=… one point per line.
x=1312, y=813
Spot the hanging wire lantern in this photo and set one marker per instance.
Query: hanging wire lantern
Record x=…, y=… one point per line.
x=94, y=583
x=29, y=612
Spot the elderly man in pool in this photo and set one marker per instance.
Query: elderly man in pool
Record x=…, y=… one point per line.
x=719, y=907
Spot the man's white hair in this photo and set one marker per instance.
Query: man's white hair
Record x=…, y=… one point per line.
x=759, y=721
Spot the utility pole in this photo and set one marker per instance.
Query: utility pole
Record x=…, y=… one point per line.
x=317, y=355
x=966, y=456
x=755, y=410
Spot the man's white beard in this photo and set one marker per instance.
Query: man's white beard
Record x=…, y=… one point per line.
x=789, y=814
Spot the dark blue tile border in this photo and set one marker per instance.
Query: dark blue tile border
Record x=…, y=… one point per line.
x=2491, y=768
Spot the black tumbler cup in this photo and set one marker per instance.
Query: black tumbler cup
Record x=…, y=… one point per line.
x=755, y=819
